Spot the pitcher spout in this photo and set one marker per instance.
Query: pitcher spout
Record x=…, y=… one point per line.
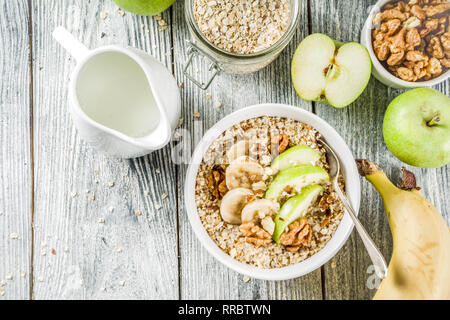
x=158, y=138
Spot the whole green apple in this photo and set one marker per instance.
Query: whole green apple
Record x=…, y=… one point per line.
x=144, y=7
x=416, y=128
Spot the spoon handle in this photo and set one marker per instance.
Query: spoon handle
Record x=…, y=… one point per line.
x=375, y=254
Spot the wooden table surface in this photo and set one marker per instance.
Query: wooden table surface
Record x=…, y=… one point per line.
x=64, y=252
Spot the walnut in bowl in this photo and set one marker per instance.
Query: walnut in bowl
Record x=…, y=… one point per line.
x=409, y=42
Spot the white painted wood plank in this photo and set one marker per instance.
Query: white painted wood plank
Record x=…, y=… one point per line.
x=202, y=277
x=85, y=264
x=360, y=124
x=15, y=156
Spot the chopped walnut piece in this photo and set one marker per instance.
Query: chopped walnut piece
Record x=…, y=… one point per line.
x=445, y=41
x=255, y=234
x=279, y=144
x=406, y=74
x=435, y=49
x=412, y=39
x=382, y=51
x=416, y=56
x=398, y=42
x=299, y=234
x=391, y=26
x=445, y=62
x=418, y=12
x=430, y=25
x=326, y=221
x=390, y=14
x=432, y=11
x=216, y=182
x=396, y=58
x=325, y=201
x=434, y=67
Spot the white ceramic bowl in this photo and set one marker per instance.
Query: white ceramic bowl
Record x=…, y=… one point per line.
x=349, y=170
x=378, y=70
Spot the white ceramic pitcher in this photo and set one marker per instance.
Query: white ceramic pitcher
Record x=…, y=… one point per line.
x=123, y=101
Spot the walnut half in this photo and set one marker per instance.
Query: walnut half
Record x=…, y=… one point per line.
x=216, y=182
x=255, y=235
x=299, y=235
x=279, y=144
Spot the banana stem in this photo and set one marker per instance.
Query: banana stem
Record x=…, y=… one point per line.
x=377, y=177
x=381, y=182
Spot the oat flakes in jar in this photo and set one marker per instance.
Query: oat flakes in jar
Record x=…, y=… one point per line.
x=238, y=36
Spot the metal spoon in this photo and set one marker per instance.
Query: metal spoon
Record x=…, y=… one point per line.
x=375, y=254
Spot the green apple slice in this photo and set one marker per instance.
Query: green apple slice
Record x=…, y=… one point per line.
x=295, y=208
x=327, y=71
x=296, y=177
x=301, y=154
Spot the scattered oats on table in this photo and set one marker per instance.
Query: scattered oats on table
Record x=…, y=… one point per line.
x=242, y=26
x=14, y=235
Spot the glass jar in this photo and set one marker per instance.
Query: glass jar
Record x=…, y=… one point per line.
x=224, y=61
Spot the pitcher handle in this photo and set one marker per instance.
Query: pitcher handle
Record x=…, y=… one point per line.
x=70, y=43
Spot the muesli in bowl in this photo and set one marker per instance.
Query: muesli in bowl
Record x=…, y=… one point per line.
x=263, y=193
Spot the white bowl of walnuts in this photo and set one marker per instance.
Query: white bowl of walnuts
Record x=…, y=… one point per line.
x=271, y=217
x=409, y=42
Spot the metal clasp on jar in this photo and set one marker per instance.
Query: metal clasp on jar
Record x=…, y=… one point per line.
x=194, y=51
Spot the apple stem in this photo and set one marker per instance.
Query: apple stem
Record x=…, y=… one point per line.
x=434, y=121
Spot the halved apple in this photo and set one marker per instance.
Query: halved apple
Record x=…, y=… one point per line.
x=331, y=72
x=295, y=208
x=296, y=177
x=300, y=154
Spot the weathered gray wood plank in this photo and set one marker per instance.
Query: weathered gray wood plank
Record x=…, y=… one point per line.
x=202, y=277
x=85, y=264
x=15, y=155
x=361, y=127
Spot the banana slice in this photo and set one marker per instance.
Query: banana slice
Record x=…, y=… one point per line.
x=258, y=210
x=239, y=149
x=233, y=203
x=243, y=172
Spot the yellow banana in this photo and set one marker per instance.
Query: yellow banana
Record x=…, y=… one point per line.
x=420, y=263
